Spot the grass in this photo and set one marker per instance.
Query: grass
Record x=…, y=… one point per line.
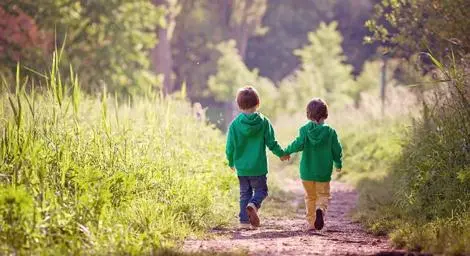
x=98, y=175
x=421, y=199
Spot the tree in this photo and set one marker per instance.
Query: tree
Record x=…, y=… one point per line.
x=195, y=32
x=289, y=23
x=162, y=57
x=107, y=41
x=21, y=40
x=412, y=26
x=206, y=23
x=243, y=20
x=351, y=16
x=232, y=74
x=323, y=64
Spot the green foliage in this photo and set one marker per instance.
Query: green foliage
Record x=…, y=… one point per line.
x=297, y=90
x=194, y=59
x=324, y=57
x=248, y=13
x=204, y=24
x=290, y=21
x=416, y=25
x=93, y=175
x=369, y=152
x=108, y=41
x=266, y=32
x=233, y=74
x=17, y=216
x=439, y=153
x=427, y=185
x=322, y=74
x=367, y=80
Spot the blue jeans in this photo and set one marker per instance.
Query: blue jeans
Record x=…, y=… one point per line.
x=253, y=189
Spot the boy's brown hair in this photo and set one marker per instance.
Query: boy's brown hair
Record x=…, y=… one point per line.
x=247, y=98
x=317, y=110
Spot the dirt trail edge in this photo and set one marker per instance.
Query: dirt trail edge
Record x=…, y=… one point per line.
x=285, y=235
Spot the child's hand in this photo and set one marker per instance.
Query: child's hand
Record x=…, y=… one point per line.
x=338, y=170
x=233, y=168
x=284, y=158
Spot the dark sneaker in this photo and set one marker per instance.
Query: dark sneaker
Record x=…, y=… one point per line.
x=319, y=223
x=253, y=214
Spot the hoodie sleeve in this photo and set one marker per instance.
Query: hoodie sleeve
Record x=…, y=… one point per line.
x=297, y=145
x=337, y=151
x=271, y=142
x=230, y=147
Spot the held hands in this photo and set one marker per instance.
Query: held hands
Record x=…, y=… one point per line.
x=284, y=158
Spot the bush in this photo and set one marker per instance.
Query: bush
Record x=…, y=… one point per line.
x=428, y=186
x=91, y=175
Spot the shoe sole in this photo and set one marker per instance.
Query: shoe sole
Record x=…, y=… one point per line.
x=319, y=223
x=253, y=216
x=245, y=228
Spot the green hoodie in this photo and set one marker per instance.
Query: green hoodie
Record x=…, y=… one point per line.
x=321, y=148
x=247, y=138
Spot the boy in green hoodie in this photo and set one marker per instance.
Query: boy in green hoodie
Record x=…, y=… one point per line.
x=321, y=150
x=248, y=135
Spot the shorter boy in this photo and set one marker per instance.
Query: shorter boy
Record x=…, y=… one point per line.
x=248, y=135
x=321, y=149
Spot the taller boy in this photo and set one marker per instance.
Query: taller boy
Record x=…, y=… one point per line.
x=248, y=135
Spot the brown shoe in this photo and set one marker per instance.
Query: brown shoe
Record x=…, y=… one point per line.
x=253, y=214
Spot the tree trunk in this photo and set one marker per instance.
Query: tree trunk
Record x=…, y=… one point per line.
x=163, y=61
x=162, y=58
x=383, y=84
x=241, y=36
x=246, y=25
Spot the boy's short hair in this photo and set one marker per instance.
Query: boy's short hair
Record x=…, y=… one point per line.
x=317, y=110
x=247, y=98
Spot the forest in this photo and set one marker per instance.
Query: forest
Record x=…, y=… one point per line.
x=113, y=119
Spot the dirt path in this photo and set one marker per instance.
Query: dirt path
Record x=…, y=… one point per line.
x=285, y=235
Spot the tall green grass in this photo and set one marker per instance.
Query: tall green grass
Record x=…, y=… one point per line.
x=96, y=175
x=423, y=201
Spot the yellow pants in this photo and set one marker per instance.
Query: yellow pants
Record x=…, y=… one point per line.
x=317, y=195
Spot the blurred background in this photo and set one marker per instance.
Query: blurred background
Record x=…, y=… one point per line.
x=290, y=50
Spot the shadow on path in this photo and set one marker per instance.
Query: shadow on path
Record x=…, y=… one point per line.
x=285, y=235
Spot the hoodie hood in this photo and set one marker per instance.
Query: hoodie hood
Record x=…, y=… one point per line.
x=317, y=133
x=250, y=124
